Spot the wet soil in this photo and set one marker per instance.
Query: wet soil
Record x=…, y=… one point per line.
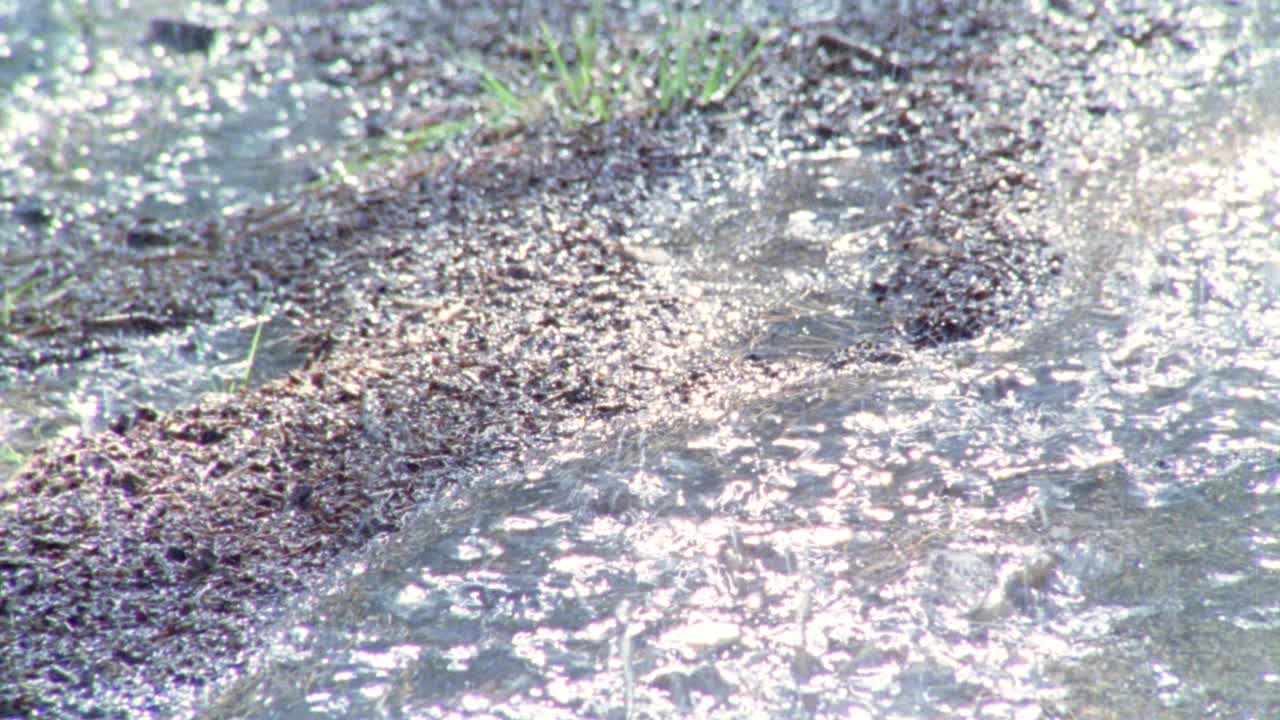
x=478, y=307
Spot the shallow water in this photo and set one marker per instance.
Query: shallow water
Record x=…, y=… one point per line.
x=98, y=119
x=1076, y=518
x=101, y=128
x=1073, y=519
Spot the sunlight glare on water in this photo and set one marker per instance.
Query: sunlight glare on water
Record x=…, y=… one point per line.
x=102, y=121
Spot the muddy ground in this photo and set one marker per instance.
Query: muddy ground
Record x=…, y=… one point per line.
x=480, y=307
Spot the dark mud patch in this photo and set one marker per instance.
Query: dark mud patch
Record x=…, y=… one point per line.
x=486, y=307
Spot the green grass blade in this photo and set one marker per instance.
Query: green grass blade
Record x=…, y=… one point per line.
x=562, y=68
x=715, y=78
x=253, y=351
x=9, y=456
x=499, y=91
x=666, y=83
x=433, y=135
x=587, y=43
x=11, y=298
x=682, y=67
x=745, y=68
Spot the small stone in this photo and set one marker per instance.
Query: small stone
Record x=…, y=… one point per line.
x=181, y=36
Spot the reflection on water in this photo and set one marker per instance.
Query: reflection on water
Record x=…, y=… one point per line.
x=1076, y=520
x=101, y=118
x=806, y=254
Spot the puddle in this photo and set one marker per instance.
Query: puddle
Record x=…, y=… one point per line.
x=804, y=256
x=807, y=255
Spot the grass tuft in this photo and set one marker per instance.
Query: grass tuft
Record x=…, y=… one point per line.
x=9, y=298
x=695, y=62
x=701, y=65
x=589, y=76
